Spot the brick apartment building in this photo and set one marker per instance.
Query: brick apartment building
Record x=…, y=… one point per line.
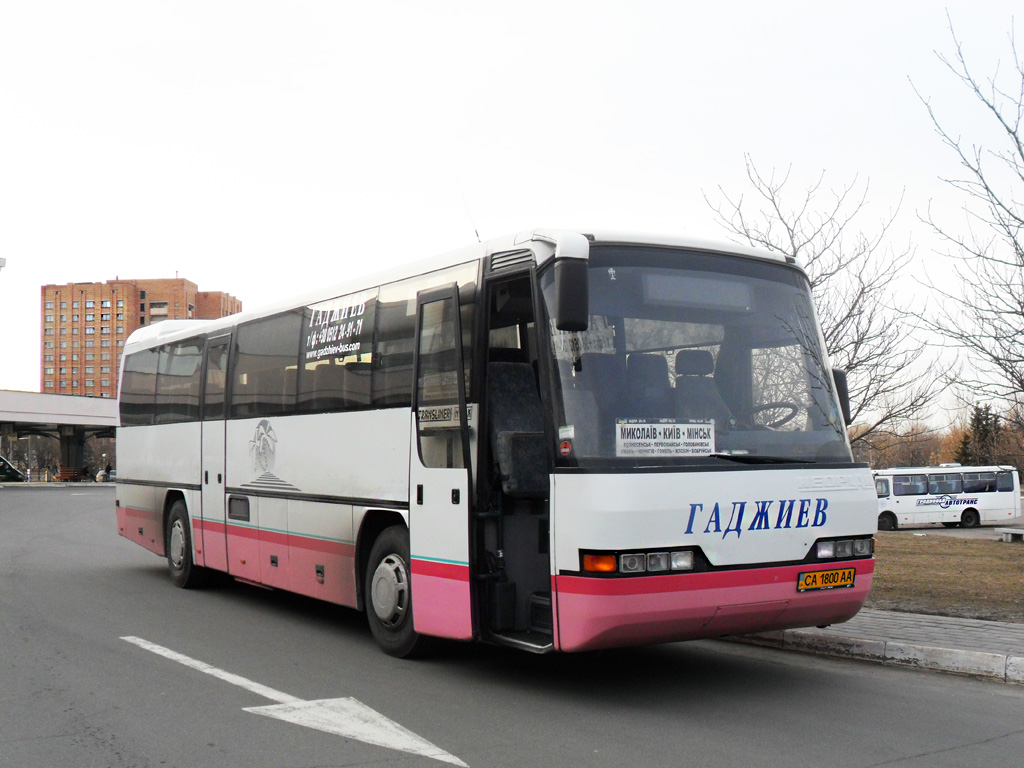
x=84, y=327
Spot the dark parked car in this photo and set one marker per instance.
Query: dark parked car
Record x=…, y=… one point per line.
x=9, y=474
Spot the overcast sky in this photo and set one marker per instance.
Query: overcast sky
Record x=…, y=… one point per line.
x=264, y=148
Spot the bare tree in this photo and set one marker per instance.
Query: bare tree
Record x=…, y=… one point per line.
x=853, y=277
x=982, y=312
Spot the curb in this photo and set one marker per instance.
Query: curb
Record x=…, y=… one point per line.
x=990, y=666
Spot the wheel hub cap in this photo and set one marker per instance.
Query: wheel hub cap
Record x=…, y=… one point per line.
x=390, y=591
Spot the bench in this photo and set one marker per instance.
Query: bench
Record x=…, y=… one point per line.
x=1011, y=534
x=71, y=475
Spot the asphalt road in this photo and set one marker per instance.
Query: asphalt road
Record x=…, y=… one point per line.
x=73, y=693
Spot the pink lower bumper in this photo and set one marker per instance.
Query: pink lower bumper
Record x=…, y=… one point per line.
x=608, y=612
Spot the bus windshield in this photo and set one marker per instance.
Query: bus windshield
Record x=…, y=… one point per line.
x=693, y=358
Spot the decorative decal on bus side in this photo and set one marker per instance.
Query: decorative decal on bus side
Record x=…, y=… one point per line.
x=263, y=453
x=945, y=502
x=664, y=437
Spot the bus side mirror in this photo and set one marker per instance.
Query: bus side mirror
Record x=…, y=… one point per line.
x=572, y=298
x=839, y=376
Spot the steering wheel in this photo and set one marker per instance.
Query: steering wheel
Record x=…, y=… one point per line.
x=792, y=410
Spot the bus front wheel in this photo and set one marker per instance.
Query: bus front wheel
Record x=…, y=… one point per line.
x=970, y=518
x=178, y=545
x=887, y=521
x=388, y=595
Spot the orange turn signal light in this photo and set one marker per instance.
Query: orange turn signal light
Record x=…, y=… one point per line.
x=599, y=563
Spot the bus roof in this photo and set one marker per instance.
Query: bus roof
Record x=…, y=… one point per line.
x=545, y=243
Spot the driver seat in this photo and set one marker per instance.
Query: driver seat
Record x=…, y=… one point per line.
x=697, y=395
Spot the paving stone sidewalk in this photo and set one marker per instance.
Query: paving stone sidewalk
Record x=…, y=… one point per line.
x=989, y=649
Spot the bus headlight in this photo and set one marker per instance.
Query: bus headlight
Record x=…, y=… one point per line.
x=863, y=547
x=844, y=548
x=682, y=561
x=636, y=563
x=657, y=561
x=826, y=549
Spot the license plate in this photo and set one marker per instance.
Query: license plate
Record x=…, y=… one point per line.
x=812, y=580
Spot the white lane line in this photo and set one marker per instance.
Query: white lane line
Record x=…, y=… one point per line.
x=345, y=717
x=220, y=674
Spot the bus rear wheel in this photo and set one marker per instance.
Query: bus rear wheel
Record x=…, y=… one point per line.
x=970, y=518
x=388, y=595
x=887, y=521
x=178, y=546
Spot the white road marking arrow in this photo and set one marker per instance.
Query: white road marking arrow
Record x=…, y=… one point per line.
x=343, y=717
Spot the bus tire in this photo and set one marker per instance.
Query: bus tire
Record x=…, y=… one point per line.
x=388, y=595
x=970, y=518
x=887, y=521
x=178, y=545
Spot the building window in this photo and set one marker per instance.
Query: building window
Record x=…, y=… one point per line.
x=63, y=385
x=74, y=318
x=74, y=356
x=142, y=294
x=120, y=329
x=74, y=344
x=63, y=345
x=105, y=329
x=89, y=330
x=104, y=394
x=105, y=317
x=74, y=305
x=142, y=306
x=89, y=369
x=48, y=331
x=74, y=383
x=49, y=318
x=105, y=343
x=90, y=356
x=49, y=305
x=48, y=358
x=90, y=304
x=120, y=342
x=63, y=371
x=63, y=358
x=104, y=356
x=104, y=382
x=90, y=317
x=48, y=345
x=48, y=384
x=64, y=331
x=63, y=318
x=63, y=305
x=120, y=303
x=89, y=343
x=104, y=369
x=120, y=316
x=105, y=303
x=142, y=320
x=88, y=383
x=48, y=371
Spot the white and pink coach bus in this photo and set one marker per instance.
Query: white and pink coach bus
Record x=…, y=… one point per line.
x=553, y=441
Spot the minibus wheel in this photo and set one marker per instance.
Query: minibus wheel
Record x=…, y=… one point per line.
x=970, y=518
x=887, y=521
x=388, y=595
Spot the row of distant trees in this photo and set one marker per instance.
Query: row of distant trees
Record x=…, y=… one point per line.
x=983, y=438
x=876, y=335
x=40, y=453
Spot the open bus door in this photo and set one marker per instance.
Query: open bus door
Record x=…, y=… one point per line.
x=439, y=471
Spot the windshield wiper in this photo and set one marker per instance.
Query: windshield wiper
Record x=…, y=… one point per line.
x=747, y=458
